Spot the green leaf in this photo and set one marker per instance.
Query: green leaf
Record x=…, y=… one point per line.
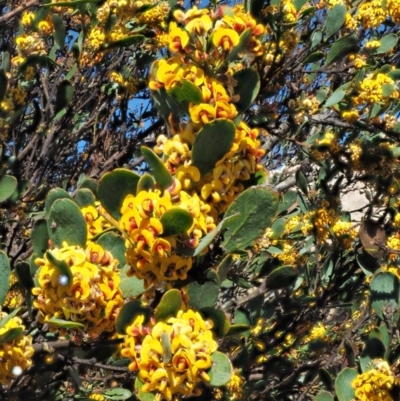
x=168, y=306
x=373, y=349
x=384, y=293
x=298, y=4
x=65, y=324
x=117, y=393
x=3, y=84
x=343, y=387
x=23, y=271
x=335, y=19
x=221, y=323
x=146, y=183
x=221, y=370
x=301, y=182
x=7, y=318
x=212, y=143
x=238, y=329
x=53, y=195
x=387, y=43
x=335, y=98
x=165, y=104
x=207, y=239
x=157, y=167
x=316, y=38
x=128, y=313
x=114, y=244
x=247, y=226
x=185, y=92
x=282, y=277
x=313, y=57
x=8, y=184
x=114, y=187
x=324, y=396
x=6, y=62
x=61, y=266
x=341, y=48
x=89, y=183
x=40, y=237
x=287, y=201
x=223, y=267
x=65, y=93
x=5, y=276
x=248, y=86
x=394, y=74
x=142, y=396
x=11, y=334
x=59, y=30
x=204, y=293
x=350, y=354
x=387, y=89
x=66, y=223
x=278, y=228
x=131, y=287
x=326, y=378
x=176, y=221
x=84, y=197
x=129, y=41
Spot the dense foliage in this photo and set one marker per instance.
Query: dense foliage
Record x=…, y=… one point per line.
x=199, y=201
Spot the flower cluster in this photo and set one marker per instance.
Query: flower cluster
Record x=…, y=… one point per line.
x=151, y=255
x=171, y=357
x=15, y=296
x=95, y=221
x=15, y=355
x=92, y=298
x=371, y=90
x=376, y=383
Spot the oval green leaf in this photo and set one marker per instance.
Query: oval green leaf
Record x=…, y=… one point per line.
x=212, y=143
x=61, y=266
x=65, y=324
x=335, y=19
x=53, y=195
x=66, y=224
x=221, y=370
x=115, y=244
x=8, y=184
x=5, y=276
x=248, y=86
x=221, y=323
x=114, y=187
x=343, y=388
x=169, y=305
x=128, y=313
x=247, y=225
x=160, y=172
x=282, y=277
x=146, y=183
x=204, y=293
x=176, y=221
x=11, y=334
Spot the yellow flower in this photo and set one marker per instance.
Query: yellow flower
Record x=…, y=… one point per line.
x=15, y=355
x=91, y=298
x=188, y=175
x=178, y=38
x=225, y=38
x=202, y=113
x=200, y=25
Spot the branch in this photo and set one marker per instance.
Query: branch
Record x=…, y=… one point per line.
x=23, y=7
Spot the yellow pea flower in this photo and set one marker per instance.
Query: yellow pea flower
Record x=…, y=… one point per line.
x=225, y=38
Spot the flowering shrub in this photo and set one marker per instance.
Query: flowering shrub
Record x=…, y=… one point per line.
x=203, y=243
